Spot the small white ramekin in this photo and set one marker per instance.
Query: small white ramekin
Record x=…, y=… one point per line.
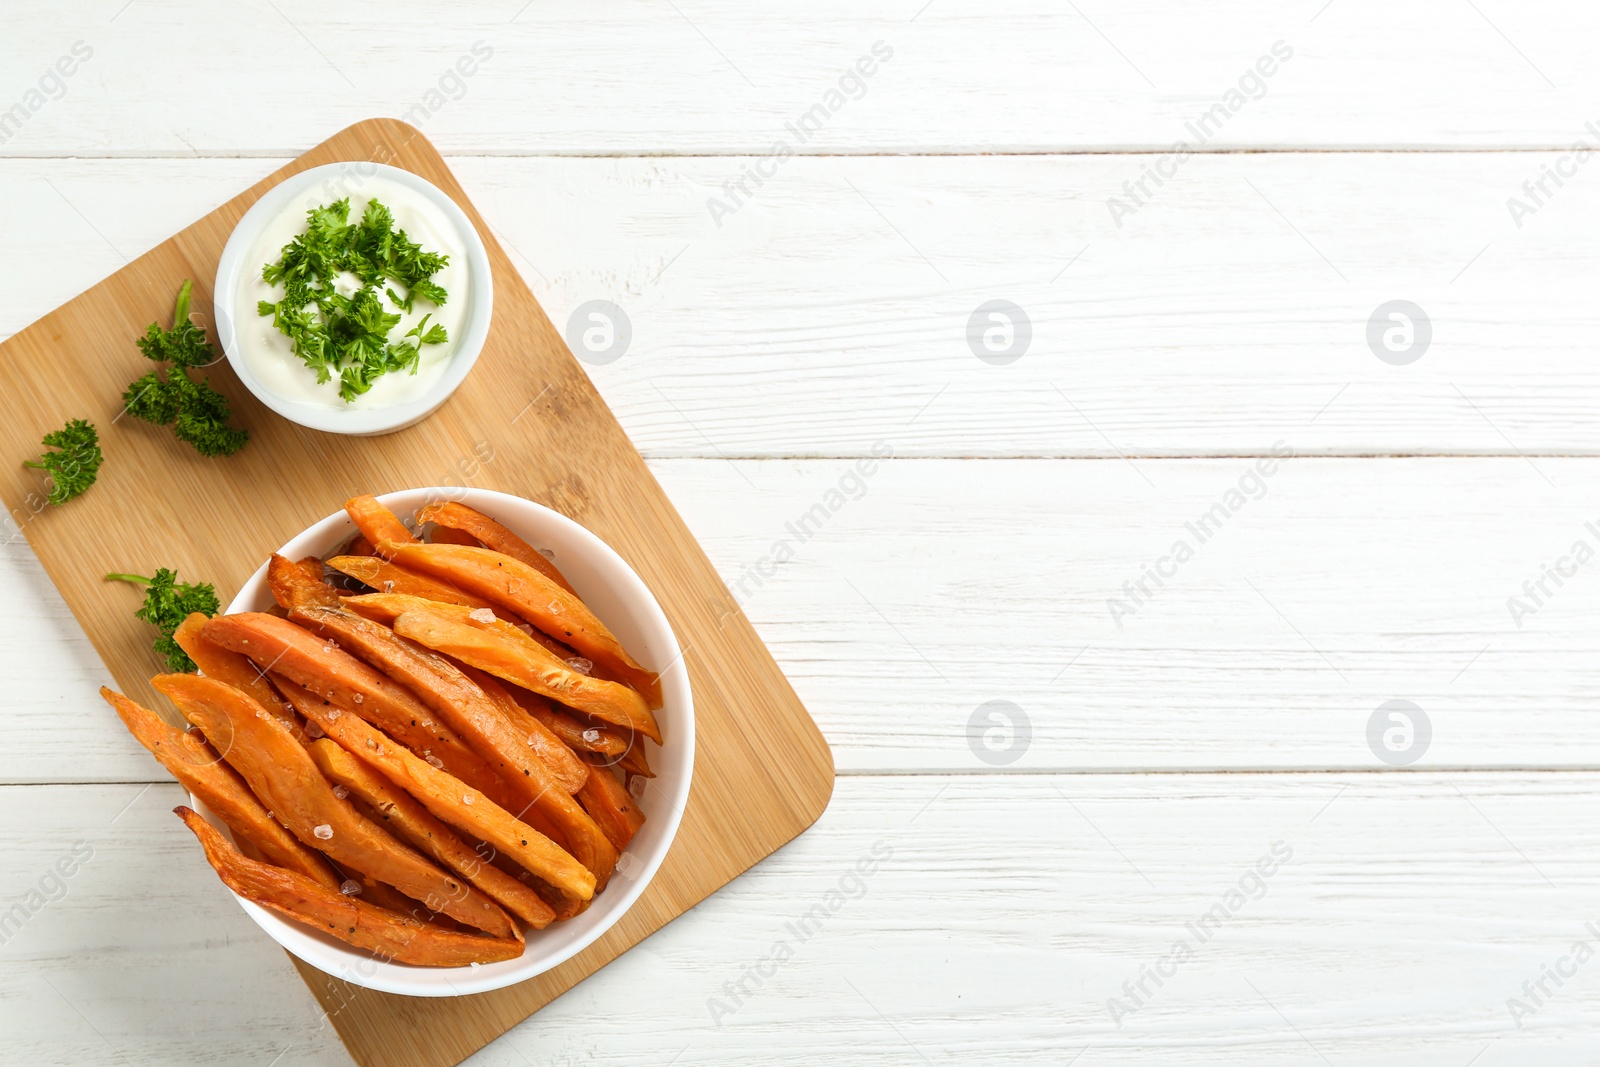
x=231, y=273
x=621, y=600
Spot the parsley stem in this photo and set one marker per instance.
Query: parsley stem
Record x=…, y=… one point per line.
x=129, y=578
x=180, y=310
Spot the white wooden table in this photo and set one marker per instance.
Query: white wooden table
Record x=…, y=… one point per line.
x=1039, y=880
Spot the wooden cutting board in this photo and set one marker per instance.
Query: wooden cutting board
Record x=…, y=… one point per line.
x=527, y=421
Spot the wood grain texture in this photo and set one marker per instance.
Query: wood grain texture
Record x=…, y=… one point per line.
x=1207, y=324
x=766, y=772
x=718, y=76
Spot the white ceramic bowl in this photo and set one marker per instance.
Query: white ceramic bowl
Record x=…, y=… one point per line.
x=614, y=593
x=315, y=187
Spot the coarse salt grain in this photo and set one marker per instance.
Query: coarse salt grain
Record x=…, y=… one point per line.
x=435, y=762
x=358, y=698
x=334, y=713
x=349, y=887
x=324, y=832
x=466, y=798
x=314, y=731
x=591, y=735
x=483, y=615
x=581, y=665
x=340, y=791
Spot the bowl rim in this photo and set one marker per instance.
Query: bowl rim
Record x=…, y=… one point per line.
x=346, y=962
x=360, y=421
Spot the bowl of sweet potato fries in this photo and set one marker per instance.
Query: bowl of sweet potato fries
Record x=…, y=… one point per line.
x=438, y=744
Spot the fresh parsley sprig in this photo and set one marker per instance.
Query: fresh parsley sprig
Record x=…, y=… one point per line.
x=167, y=602
x=348, y=335
x=197, y=413
x=75, y=464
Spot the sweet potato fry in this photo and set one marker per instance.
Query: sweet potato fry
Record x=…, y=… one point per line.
x=312, y=566
x=387, y=607
x=377, y=523
x=560, y=651
x=609, y=804
x=576, y=734
x=293, y=585
x=565, y=907
x=386, y=577
x=467, y=810
x=380, y=895
x=444, y=535
x=457, y=699
x=477, y=719
x=358, y=546
x=409, y=819
x=515, y=661
x=526, y=590
x=453, y=516
x=564, y=763
x=199, y=769
x=217, y=662
x=319, y=665
x=390, y=936
x=634, y=762
x=282, y=774
x=570, y=657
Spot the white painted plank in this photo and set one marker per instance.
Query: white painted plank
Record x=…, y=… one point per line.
x=136, y=955
x=1208, y=324
x=949, y=584
x=712, y=76
x=1347, y=584
x=59, y=729
x=1004, y=914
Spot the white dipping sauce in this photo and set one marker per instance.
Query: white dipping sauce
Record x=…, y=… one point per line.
x=270, y=354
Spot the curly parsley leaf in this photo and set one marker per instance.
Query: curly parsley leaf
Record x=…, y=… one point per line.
x=74, y=464
x=197, y=413
x=202, y=420
x=167, y=602
x=185, y=344
x=148, y=398
x=434, y=335
x=348, y=335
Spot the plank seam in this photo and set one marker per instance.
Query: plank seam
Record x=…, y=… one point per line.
x=1064, y=772
x=876, y=153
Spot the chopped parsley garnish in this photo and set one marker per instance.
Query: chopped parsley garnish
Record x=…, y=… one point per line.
x=166, y=604
x=348, y=336
x=75, y=464
x=197, y=413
